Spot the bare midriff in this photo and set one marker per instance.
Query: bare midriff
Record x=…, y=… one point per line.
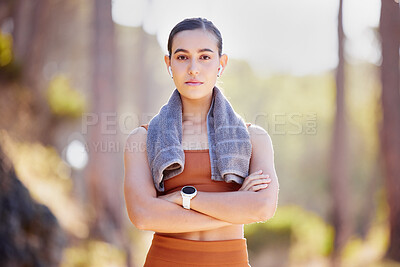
x=223, y=233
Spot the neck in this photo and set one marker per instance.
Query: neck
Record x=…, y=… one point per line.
x=194, y=111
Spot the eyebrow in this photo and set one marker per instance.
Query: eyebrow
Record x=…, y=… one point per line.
x=199, y=51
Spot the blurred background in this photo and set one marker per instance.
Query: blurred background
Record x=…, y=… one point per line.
x=322, y=77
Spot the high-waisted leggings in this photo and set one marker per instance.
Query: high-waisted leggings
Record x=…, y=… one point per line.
x=168, y=251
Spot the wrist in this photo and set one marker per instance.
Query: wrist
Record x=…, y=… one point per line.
x=178, y=198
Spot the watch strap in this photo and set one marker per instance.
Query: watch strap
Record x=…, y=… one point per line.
x=186, y=202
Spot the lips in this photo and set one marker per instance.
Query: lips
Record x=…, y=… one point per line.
x=193, y=83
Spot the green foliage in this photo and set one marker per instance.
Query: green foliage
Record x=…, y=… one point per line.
x=93, y=253
x=63, y=99
x=284, y=106
x=305, y=234
x=8, y=68
x=298, y=113
x=5, y=49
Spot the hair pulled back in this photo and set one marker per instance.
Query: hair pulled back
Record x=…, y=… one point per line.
x=194, y=24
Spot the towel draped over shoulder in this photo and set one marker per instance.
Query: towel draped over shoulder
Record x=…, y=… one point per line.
x=228, y=140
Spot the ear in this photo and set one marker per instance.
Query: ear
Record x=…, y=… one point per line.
x=223, y=61
x=167, y=61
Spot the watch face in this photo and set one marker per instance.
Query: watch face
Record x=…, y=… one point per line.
x=188, y=190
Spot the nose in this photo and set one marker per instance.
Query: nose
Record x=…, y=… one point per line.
x=193, y=67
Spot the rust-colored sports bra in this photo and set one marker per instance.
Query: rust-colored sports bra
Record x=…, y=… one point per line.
x=197, y=172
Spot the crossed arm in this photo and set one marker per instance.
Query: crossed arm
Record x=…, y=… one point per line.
x=255, y=201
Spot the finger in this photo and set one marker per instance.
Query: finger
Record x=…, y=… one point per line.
x=245, y=187
x=259, y=187
x=255, y=175
x=259, y=182
x=255, y=179
x=250, y=181
x=249, y=178
x=262, y=181
x=260, y=172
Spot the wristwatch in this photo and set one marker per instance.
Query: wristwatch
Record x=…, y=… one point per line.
x=188, y=192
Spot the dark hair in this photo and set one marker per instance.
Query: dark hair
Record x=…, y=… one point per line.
x=193, y=24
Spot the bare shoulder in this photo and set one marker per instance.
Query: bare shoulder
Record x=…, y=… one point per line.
x=138, y=132
x=259, y=137
x=136, y=138
x=255, y=129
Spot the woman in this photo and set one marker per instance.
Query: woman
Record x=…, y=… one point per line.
x=201, y=224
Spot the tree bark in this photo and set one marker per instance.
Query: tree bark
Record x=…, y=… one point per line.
x=103, y=185
x=390, y=127
x=30, y=234
x=339, y=177
x=31, y=34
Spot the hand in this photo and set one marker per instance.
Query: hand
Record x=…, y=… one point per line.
x=174, y=197
x=255, y=182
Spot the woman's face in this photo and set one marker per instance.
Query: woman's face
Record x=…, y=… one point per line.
x=195, y=63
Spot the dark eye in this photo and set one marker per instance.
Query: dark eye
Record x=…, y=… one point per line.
x=181, y=57
x=205, y=57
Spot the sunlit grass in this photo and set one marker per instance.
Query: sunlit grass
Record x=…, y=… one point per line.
x=93, y=253
x=360, y=252
x=309, y=240
x=304, y=233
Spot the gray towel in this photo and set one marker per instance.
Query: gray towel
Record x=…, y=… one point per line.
x=228, y=141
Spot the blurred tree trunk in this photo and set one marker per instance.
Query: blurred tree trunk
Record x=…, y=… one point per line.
x=390, y=129
x=4, y=10
x=142, y=74
x=33, y=25
x=32, y=20
x=104, y=186
x=339, y=178
x=29, y=232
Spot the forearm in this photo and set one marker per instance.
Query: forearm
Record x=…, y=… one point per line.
x=240, y=207
x=166, y=217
